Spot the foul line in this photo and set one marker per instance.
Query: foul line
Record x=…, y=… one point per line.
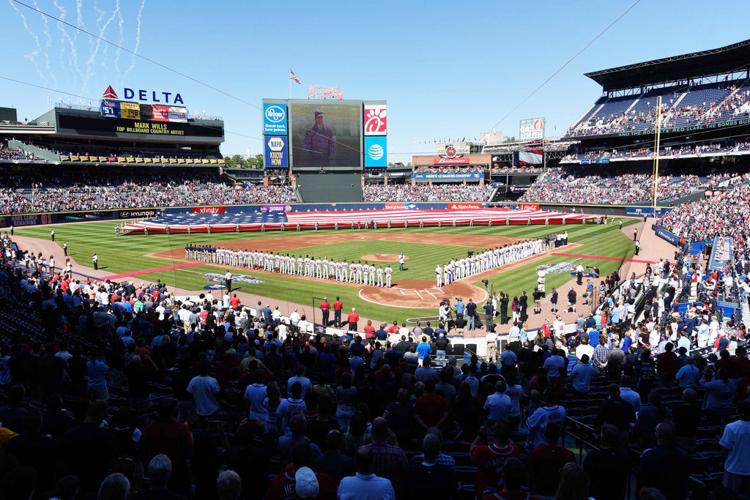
x=601, y=257
x=153, y=270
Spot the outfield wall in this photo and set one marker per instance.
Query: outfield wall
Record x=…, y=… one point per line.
x=35, y=219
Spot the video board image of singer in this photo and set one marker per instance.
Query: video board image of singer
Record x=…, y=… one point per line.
x=326, y=134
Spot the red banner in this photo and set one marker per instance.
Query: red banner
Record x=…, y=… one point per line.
x=464, y=206
x=209, y=210
x=529, y=206
x=444, y=160
x=160, y=113
x=394, y=206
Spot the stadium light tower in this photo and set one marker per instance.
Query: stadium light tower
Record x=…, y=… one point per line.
x=657, y=142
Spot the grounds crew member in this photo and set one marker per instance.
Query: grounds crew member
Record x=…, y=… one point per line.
x=95, y=261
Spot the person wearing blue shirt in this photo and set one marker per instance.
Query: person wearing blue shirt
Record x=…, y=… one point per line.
x=720, y=391
x=381, y=334
x=423, y=350
x=626, y=343
x=498, y=405
x=460, y=307
x=736, y=442
x=582, y=374
x=615, y=315
x=365, y=485
x=593, y=337
x=555, y=364
x=97, y=369
x=688, y=375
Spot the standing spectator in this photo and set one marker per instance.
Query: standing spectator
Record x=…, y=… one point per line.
x=490, y=451
x=325, y=309
x=337, y=307
x=736, y=442
x=665, y=467
x=547, y=460
x=388, y=460
x=429, y=478
x=608, y=467
x=365, y=485
x=204, y=389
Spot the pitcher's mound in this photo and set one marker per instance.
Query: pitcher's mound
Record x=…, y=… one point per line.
x=383, y=257
x=418, y=294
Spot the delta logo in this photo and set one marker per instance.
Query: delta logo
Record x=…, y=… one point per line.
x=144, y=95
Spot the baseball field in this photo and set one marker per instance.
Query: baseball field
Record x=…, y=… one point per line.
x=159, y=257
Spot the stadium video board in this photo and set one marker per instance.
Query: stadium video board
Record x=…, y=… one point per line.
x=95, y=125
x=326, y=134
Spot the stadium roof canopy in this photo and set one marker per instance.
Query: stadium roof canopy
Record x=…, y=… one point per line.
x=732, y=58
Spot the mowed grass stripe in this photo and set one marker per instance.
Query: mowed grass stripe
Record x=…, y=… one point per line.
x=127, y=253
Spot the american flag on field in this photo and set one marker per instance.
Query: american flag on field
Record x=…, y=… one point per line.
x=293, y=76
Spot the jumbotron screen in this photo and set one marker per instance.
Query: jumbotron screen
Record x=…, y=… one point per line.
x=326, y=134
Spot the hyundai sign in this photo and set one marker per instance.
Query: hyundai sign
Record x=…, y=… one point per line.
x=376, y=153
x=277, y=152
x=274, y=119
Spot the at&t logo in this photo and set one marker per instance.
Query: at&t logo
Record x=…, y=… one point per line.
x=375, y=152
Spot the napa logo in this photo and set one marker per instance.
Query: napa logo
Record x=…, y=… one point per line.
x=274, y=119
x=276, y=144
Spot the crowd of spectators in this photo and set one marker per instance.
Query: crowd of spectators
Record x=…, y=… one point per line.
x=124, y=391
x=41, y=193
x=725, y=213
x=15, y=154
x=665, y=152
x=733, y=104
x=560, y=185
x=426, y=192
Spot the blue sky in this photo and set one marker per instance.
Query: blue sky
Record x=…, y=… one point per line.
x=447, y=69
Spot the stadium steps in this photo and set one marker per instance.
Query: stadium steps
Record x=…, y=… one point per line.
x=40, y=153
x=635, y=103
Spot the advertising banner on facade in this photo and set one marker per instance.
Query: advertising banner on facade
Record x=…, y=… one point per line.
x=276, y=152
x=274, y=119
x=459, y=176
x=376, y=153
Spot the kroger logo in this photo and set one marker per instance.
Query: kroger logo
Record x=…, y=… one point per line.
x=275, y=114
x=375, y=151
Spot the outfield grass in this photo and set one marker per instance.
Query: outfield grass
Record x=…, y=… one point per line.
x=119, y=254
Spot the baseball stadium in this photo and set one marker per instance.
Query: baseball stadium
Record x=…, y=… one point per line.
x=547, y=315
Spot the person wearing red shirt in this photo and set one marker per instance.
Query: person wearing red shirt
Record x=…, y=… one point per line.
x=431, y=409
x=325, y=308
x=234, y=302
x=337, y=307
x=369, y=330
x=352, y=319
x=547, y=460
x=490, y=458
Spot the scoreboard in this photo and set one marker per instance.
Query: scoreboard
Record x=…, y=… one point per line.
x=92, y=124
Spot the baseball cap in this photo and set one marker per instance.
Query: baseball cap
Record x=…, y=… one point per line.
x=306, y=484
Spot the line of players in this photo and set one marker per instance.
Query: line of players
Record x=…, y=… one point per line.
x=485, y=261
x=345, y=272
